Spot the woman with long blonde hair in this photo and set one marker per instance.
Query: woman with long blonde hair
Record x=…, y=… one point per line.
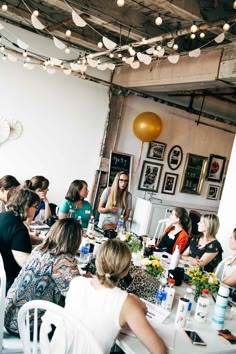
x=115, y=201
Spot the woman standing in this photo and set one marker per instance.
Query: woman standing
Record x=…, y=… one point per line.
x=104, y=308
x=39, y=185
x=48, y=271
x=177, y=234
x=75, y=200
x=115, y=201
x=15, y=243
x=204, y=250
x=8, y=185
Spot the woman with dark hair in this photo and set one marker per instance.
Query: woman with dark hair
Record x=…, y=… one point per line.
x=39, y=185
x=75, y=200
x=177, y=234
x=48, y=271
x=8, y=185
x=115, y=201
x=15, y=244
x=204, y=250
x=104, y=308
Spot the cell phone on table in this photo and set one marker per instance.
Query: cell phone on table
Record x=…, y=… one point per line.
x=195, y=338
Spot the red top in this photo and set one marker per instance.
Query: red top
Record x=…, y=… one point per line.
x=181, y=240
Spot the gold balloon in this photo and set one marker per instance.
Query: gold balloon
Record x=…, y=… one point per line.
x=147, y=126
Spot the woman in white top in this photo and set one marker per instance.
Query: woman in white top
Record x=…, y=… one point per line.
x=103, y=308
x=229, y=273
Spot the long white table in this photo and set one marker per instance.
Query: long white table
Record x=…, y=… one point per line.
x=182, y=345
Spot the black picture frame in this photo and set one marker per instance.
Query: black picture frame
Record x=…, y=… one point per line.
x=156, y=150
x=215, y=168
x=150, y=176
x=175, y=157
x=213, y=192
x=169, y=183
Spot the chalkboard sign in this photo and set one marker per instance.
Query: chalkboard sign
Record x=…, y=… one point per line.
x=119, y=162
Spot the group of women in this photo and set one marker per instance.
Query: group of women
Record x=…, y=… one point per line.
x=50, y=271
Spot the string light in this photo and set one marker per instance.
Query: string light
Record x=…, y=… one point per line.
x=193, y=28
x=100, y=45
x=111, y=55
x=226, y=27
x=68, y=33
x=67, y=50
x=202, y=35
x=36, y=13
x=24, y=54
x=4, y=7
x=193, y=36
x=175, y=46
x=120, y=3
x=2, y=48
x=119, y=55
x=158, y=20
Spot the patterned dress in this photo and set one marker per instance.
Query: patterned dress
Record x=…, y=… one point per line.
x=43, y=277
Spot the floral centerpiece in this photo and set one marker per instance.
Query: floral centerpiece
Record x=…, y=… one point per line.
x=153, y=266
x=134, y=242
x=202, y=280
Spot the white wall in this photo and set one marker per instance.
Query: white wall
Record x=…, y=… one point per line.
x=177, y=130
x=63, y=120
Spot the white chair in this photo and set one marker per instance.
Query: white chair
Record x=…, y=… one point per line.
x=70, y=336
x=8, y=343
x=161, y=226
x=220, y=268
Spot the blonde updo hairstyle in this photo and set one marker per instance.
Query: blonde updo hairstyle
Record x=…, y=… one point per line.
x=112, y=262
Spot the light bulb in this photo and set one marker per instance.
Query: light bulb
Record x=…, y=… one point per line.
x=2, y=48
x=124, y=58
x=24, y=54
x=158, y=20
x=175, y=46
x=193, y=28
x=100, y=45
x=78, y=62
x=28, y=58
x=226, y=27
x=202, y=35
x=234, y=5
x=193, y=36
x=120, y=3
x=111, y=55
x=67, y=50
x=119, y=55
x=4, y=7
x=35, y=13
x=68, y=33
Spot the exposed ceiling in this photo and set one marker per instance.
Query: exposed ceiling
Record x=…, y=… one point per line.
x=130, y=25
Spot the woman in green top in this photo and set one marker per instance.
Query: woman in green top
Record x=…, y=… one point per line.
x=74, y=200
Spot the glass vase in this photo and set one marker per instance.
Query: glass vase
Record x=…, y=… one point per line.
x=197, y=292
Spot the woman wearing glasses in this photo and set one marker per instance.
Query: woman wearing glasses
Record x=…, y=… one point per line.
x=115, y=201
x=15, y=243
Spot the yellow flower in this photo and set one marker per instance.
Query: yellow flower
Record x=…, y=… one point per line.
x=146, y=262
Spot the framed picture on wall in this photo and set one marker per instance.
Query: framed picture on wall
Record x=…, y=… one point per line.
x=215, y=168
x=213, y=192
x=169, y=184
x=175, y=157
x=150, y=176
x=156, y=150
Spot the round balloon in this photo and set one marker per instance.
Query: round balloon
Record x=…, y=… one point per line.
x=147, y=126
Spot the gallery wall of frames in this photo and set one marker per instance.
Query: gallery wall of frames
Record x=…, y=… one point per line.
x=197, y=170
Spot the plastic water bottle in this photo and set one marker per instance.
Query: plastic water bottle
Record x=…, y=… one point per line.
x=170, y=290
x=160, y=291
x=71, y=212
x=189, y=295
x=84, y=254
x=90, y=228
x=220, y=307
x=175, y=258
x=181, y=312
x=202, y=306
x=120, y=227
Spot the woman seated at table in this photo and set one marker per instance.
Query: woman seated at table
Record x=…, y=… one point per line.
x=205, y=251
x=229, y=272
x=104, y=308
x=8, y=185
x=115, y=201
x=15, y=243
x=48, y=271
x=75, y=200
x=39, y=185
x=177, y=234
